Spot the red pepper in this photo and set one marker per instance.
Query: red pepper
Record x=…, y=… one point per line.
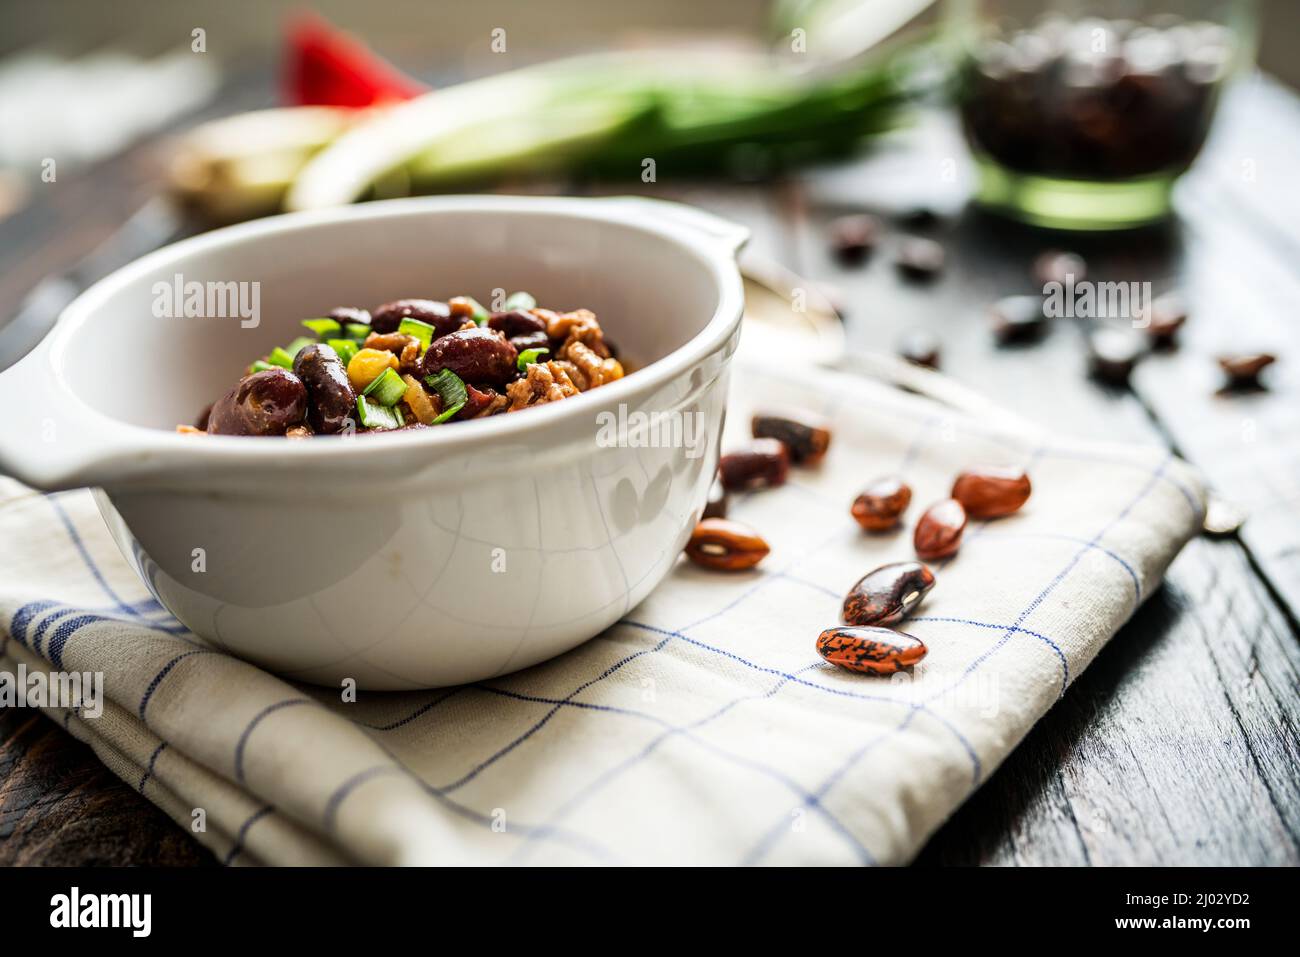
x=325, y=66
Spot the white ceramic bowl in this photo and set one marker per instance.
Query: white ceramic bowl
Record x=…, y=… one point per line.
x=408, y=560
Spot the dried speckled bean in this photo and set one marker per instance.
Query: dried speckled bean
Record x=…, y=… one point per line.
x=1018, y=319
x=1243, y=369
x=989, y=491
x=938, y=533
x=888, y=594
x=1056, y=265
x=881, y=504
x=1166, y=316
x=853, y=237
x=724, y=545
x=806, y=437
x=919, y=347
x=1112, y=354
x=919, y=259
x=763, y=463
x=716, y=504
x=878, y=651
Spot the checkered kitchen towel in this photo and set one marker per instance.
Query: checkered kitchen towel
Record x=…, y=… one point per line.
x=702, y=729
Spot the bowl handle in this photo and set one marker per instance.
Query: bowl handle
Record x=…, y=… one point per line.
x=731, y=236
x=45, y=441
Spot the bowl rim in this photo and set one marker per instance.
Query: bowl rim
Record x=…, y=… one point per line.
x=711, y=241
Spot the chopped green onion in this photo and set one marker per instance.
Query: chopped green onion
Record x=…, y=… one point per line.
x=421, y=330
x=356, y=330
x=529, y=356
x=324, y=328
x=375, y=416
x=387, y=389
x=397, y=412
x=346, y=349
x=480, y=314
x=261, y=365
x=451, y=390
x=520, y=300
x=280, y=357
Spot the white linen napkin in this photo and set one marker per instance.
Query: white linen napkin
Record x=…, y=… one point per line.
x=702, y=729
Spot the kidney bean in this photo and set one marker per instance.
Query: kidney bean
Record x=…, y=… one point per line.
x=878, y=651
x=201, y=423
x=331, y=402
x=345, y=314
x=534, y=340
x=888, y=594
x=764, y=463
x=806, y=437
x=938, y=533
x=990, y=491
x=437, y=314
x=1018, y=319
x=478, y=355
x=724, y=545
x=919, y=259
x=269, y=402
x=716, y=504
x=1243, y=369
x=854, y=237
x=882, y=503
x=1056, y=265
x=920, y=348
x=516, y=323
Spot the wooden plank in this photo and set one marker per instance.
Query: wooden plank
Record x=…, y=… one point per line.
x=1241, y=214
x=60, y=807
x=1177, y=746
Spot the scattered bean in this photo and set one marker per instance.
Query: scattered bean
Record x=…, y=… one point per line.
x=854, y=237
x=919, y=259
x=888, y=594
x=1243, y=369
x=877, y=651
x=764, y=463
x=806, y=437
x=921, y=348
x=724, y=545
x=1167, y=315
x=1056, y=265
x=1018, y=319
x=990, y=491
x=716, y=504
x=1112, y=354
x=1222, y=518
x=938, y=533
x=881, y=504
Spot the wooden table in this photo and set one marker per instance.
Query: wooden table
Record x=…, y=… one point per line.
x=1180, y=743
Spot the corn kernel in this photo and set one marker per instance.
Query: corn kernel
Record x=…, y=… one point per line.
x=368, y=365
